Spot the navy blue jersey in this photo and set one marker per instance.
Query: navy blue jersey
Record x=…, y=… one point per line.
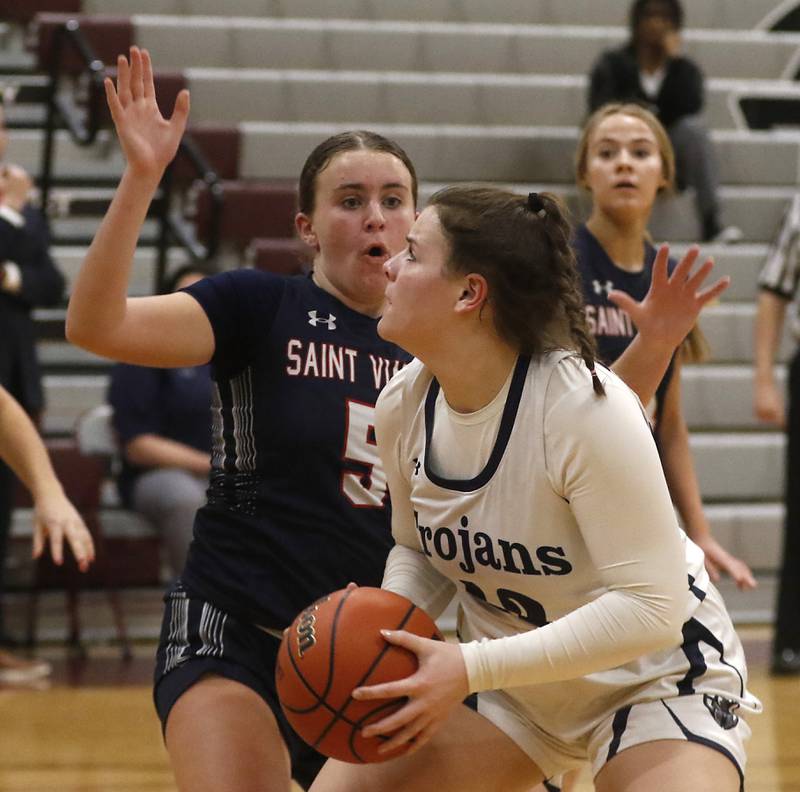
x=611, y=326
x=297, y=501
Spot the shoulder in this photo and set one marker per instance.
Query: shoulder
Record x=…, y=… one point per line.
x=684, y=66
x=402, y=396
x=570, y=395
x=618, y=56
x=411, y=382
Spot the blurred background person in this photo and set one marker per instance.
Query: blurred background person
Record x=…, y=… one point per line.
x=163, y=423
x=650, y=70
x=778, y=283
x=28, y=279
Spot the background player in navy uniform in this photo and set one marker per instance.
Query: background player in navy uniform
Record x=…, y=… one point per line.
x=296, y=499
x=590, y=628
x=624, y=160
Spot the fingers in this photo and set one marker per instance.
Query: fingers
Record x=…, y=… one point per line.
x=180, y=114
x=113, y=100
x=624, y=301
x=137, y=82
x=38, y=542
x=401, y=722
x=385, y=690
x=681, y=272
x=712, y=292
x=57, y=546
x=123, y=80
x=399, y=738
x=81, y=544
x=660, y=273
x=148, y=85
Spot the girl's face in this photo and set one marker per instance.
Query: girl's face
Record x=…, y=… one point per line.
x=364, y=208
x=421, y=296
x=624, y=167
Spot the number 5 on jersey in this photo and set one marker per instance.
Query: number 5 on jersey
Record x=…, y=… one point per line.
x=368, y=488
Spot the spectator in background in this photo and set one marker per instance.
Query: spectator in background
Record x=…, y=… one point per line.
x=651, y=70
x=28, y=279
x=778, y=283
x=161, y=417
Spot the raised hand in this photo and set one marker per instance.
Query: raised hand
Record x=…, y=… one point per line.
x=438, y=685
x=673, y=303
x=56, y=520
x=148, y=140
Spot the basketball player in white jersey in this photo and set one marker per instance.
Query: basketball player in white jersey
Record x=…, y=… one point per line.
x=525, y=480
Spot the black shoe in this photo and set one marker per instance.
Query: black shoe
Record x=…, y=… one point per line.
x=785, y=662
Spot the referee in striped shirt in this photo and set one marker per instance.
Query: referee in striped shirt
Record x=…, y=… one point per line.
x=778, y=285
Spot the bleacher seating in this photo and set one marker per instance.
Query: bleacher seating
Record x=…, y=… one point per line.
x=474, y=90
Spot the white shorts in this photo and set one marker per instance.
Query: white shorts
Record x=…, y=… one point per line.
x=695, y=693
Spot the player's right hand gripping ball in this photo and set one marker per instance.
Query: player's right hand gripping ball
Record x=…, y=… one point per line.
x=335, y=646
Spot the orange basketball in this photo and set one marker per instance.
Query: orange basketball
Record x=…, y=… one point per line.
x=335, y=646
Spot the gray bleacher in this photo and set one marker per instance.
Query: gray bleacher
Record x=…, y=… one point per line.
x=493, y=91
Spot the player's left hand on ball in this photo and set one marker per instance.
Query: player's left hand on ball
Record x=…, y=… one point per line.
x=439, y=684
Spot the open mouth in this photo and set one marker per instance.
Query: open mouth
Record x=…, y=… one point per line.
x=625, y=186
x=378, y=252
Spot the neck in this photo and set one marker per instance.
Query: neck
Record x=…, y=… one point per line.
x=372, y=308
x=649, y=58
x=623, y=241
x=472, y=374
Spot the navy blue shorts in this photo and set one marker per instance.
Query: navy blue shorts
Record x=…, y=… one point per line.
x=198, y=639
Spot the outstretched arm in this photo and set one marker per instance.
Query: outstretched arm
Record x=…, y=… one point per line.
x=663, y=318
x=679, y=470
x=55, y=518
x=168, y=330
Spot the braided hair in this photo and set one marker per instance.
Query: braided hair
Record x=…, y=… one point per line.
x=521, y=245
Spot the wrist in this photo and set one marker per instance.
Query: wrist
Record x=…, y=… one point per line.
x=144, y=178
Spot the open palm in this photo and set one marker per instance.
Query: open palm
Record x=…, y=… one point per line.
x=148, y=140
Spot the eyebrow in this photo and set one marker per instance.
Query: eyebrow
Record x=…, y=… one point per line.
x=360, y=186
x=616, y=140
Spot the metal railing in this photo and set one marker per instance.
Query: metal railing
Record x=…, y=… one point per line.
x=84, y=124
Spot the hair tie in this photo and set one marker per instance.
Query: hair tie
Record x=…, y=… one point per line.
x=536, y=205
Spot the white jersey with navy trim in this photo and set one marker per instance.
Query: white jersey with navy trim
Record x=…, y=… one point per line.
x=567, y=528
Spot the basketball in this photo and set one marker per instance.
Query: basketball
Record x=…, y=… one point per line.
x=335, y=646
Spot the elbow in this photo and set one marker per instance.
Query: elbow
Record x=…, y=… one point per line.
x=77, y=332
x=667, y=626
x=73, y=331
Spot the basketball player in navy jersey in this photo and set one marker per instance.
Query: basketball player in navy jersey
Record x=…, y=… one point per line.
x=296, y=502
x=590, y=629
x=624, y=160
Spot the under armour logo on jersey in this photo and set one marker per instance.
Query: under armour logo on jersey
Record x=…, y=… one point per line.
x=314, y=320
x=599, y=288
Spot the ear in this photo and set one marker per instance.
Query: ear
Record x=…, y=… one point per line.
x=305, y=230
x=475, y=292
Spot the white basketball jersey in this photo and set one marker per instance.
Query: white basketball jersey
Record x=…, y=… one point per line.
x=521, y=540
